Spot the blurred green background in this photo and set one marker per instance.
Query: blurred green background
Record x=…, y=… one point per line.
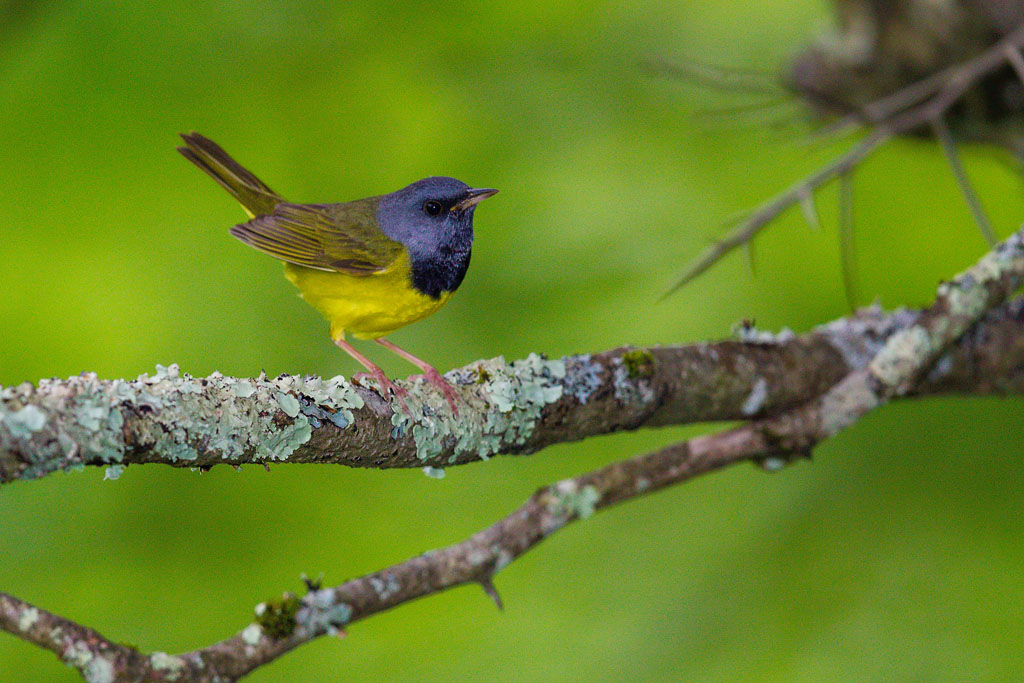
x=895, y=555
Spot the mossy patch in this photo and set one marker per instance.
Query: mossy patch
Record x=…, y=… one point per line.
x=277, y=617
x=639, y=363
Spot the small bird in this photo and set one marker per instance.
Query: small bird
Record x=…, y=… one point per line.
x=370, y=266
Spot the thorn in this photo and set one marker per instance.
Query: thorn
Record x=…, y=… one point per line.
x=743, y=115
x=810, y=211
x=266, y=467
x=945, y=138
x=847, y=252
x=745, y=107
x=492, y=592
x=1016, y=61
x=237, y=468
x=751, y=257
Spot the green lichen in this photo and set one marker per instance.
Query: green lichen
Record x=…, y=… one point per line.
x=745, y=331
x=251, y=634
x=505, y=410
x=28, y=619
x=83, y=420
x=322, y=612
x=279, y=444
x=639, y=363
x=572, y=500
x=385, y=587
x=277, y=617
x=94, y=668
x=23, y=422
x=169, y=449
x=99, y=670
x=113, y=473
x=238, y=416
x=502, y=558
x=773, y=464
x=582, y=377
x=842, y=406
x=756, y=398
x=289, y=404
x=901, y=356
x=171, y=666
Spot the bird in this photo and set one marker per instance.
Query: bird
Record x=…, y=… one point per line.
x=369, y=266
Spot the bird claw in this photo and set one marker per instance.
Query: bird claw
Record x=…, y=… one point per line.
x=386, y=385
x=435, y=378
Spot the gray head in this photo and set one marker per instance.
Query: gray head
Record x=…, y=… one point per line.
x=433, y=218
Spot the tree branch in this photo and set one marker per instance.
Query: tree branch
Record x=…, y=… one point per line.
x=512, y=408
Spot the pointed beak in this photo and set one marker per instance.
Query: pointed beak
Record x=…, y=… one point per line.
x=474, y=197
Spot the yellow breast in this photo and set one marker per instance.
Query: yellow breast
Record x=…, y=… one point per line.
x=368, y=306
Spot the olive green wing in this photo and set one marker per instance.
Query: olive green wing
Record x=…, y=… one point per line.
x=333, y=237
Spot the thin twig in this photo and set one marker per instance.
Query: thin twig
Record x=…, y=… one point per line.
x=959, y=77
x=948, y=144
x=724, y=78
x=832, y=130
x=746, y=108
x=847, y=252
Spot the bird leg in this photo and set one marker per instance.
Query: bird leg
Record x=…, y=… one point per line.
x=375, y=372
x=429, y=372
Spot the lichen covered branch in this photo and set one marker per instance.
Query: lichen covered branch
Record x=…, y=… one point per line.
x=520, y=407
x=898, y=368
x=95, y=657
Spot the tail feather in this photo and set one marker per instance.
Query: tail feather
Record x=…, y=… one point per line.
x=250, y=191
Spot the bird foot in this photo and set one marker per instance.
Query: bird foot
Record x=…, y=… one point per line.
x=386, y=385
x=435, y=378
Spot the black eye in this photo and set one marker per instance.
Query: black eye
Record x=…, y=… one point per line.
x=431, y=207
